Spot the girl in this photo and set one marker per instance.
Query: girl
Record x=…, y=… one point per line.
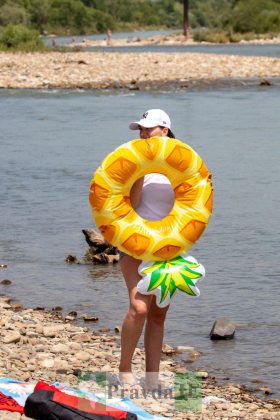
x=152, y=197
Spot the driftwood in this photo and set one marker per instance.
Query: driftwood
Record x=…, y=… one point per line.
x=100, y=251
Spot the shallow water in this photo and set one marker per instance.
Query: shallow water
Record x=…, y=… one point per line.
x=51, y=141
x=265, y=50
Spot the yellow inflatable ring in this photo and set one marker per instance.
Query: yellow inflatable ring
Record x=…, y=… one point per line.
x=118, y=221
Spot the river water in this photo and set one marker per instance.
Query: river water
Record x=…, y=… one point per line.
x=51, y=141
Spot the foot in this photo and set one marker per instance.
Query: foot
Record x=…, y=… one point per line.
x=157, y=386
x=128, y=381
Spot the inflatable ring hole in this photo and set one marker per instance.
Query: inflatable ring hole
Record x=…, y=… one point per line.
x=152, y=197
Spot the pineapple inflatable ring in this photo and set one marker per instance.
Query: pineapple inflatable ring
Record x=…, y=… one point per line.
x=120, y=224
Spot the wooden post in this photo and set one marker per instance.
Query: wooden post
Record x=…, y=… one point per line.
x=186, y=19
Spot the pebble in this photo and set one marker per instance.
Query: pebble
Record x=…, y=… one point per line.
x=46, y=363
x=61, y=365
x=13, y=337
x=118, y=328
x=114, y=70
x=202, y=374
x=88, y=318
x=6, y=282
x=62, y=352
x=60, y=348
x=82, y=338
x=83, y=356
x=184, y=348
x=53, y=330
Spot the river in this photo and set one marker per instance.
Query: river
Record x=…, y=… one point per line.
x=52, y=141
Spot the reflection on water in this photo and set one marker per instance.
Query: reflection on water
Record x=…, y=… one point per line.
x=53, y=141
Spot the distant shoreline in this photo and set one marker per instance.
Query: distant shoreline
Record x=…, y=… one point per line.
x=173, y=39
x=133, y=71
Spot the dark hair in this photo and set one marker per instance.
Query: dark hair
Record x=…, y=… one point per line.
x=169, y=134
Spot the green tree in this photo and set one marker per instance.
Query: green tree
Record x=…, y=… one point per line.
x=258, y=16
x=39, y=13
x=70, y=14
x=13, y=13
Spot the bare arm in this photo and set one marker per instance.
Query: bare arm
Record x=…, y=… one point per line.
x=135, y=193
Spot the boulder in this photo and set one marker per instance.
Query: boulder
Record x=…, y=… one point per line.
x=223, y=329
x=100, y=251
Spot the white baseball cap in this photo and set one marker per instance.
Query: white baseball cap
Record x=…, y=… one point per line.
x=152, y=118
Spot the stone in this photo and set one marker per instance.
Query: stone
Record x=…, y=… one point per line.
x=234, y=389
x=223, y=329
x=90, y=318
x=266, y=390
x=82, y=338
x=202, y=374
x=168, y=350
x=83, y=356
x=12, y=337
x=181, y=349
x=59, y=348
x=265, y=82
x=193, y=356
x=6, y=282
x=118, y=328
x=71, y=316
x=74, y=345
x=61, y=365
x=53, y=330
x=104, y=329
x=71, y=259
x=16, y=306
x=25, y=376
x=5, y=305
x=57, y=308
x=39, y=329
x=46, y=363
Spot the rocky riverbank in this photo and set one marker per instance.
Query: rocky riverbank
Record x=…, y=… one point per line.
x=133, y=71
x=40, y=345
x=174, y=39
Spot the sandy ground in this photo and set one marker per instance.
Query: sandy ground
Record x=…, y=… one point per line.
x=40, y=345
x=134, y=71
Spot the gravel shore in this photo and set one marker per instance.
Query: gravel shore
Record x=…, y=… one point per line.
x=134, y=71
x=40, y=345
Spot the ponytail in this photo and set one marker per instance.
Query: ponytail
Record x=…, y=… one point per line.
x=170, y=134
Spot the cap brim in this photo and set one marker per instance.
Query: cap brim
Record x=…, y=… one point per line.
x=143, y=123
x=134, y=126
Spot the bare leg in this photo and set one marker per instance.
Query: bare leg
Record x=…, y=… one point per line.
x=135, y=318
x=153, y=342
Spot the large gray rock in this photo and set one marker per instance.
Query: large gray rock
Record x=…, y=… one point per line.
x=223, y=329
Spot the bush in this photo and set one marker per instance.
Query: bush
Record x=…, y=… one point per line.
x=223, y=37
x=257, y=16
x=217, y=37
x=19, y=37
